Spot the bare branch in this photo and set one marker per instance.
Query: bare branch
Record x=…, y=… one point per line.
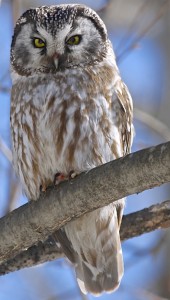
x=4, y=89
x=146, y=220
x=153, y=123
x=35, y=221
x=144, y=294
x=37, y=254
x=102, y=10
x=16, y=9
x=143, y=33
x=5, y=150
x=14, y=194
x=135, y=224
x=128, y=34
x=5, y=75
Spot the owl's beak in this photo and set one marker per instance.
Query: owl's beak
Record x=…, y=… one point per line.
x=56, y=59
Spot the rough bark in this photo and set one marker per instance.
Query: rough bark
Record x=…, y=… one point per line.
x=35, y=221
x=134, y=224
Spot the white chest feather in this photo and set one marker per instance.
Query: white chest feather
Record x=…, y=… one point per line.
x=62, y=123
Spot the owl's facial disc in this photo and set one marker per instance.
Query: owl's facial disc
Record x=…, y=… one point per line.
x=52, y=39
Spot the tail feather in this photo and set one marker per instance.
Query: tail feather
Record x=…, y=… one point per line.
x=94, y=242
x=104, y=279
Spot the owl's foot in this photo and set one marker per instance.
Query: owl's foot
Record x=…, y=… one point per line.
x=59, y=177
x=43, y=188
x=72, y=174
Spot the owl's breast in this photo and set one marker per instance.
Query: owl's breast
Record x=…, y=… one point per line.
x=78, y=124
x=63, y=124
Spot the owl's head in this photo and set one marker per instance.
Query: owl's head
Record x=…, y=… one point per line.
x=51, y=38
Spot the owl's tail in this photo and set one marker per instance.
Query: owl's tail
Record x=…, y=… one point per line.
x=101, y=269
x=92, y=243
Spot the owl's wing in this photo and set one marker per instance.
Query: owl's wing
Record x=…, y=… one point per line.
x=125, y=116
x=61, y=237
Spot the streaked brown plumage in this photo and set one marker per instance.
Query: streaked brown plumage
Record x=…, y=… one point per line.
x=70, y=111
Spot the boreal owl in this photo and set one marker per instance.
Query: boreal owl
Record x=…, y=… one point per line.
x=71, y=112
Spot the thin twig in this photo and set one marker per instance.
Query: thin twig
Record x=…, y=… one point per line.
x=16, y=9
x=103, y=9
x=14, y=194
x=136, y=39
x=5, y=150
x=144, y=294
x=5, y=75
x=133, y=24
x=4, y=89
x=142, y=252
x=153, y=123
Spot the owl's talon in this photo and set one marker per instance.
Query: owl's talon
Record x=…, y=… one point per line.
x=72, y=174
x=59, y=177
x=43, y=188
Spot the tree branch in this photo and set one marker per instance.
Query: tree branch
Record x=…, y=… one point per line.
x=153, y=123
x=5, y=150
x=37, y=220
x=134, y=224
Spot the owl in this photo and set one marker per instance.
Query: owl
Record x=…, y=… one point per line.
x=71, y=112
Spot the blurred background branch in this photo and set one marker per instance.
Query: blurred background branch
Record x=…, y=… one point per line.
x=153, y=123
x=5, y=150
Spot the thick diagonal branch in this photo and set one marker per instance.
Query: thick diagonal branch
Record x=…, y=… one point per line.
x=134, y=224
x=35, y=221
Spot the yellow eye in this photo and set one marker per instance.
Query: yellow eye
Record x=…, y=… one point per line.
x=74, y=40
x=38, y=43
